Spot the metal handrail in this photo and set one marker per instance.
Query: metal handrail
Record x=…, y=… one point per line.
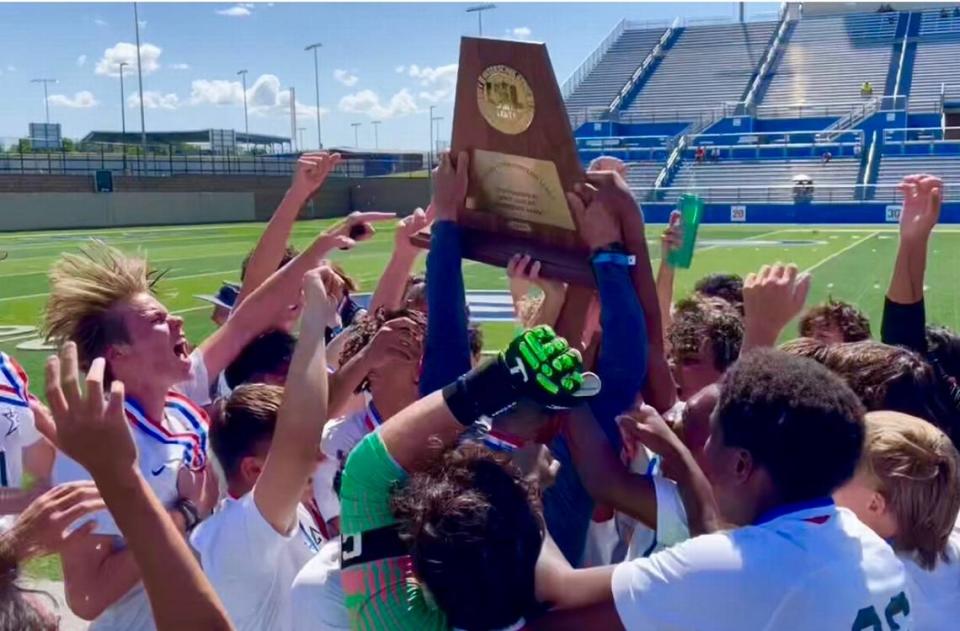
x=652, y=56
x=588, y=64
x=765, y=67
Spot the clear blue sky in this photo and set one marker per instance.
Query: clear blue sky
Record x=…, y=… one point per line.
x=378, y=61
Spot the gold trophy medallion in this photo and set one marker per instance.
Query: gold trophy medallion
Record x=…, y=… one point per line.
x=505, y=99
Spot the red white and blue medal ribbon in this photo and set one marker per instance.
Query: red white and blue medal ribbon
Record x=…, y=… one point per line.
x=13, y=383
x=194, y=443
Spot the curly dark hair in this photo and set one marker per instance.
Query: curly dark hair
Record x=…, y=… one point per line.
x=713, y=319
x=850, y=321
x=887, y=378
x=782, y=408
x=475, y=527
x=727, y=287
x=365, y=328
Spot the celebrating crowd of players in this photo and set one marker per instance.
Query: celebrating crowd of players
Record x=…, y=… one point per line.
x=312, y=465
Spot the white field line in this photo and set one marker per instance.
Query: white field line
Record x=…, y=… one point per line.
x=842, y=251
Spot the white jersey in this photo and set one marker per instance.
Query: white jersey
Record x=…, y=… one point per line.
x=17, y=429
x=252, y=566
x=317, y=594
x=672, y=526
x=339, y=438
x=935, y=594
x=180, y=439
x=814, y=567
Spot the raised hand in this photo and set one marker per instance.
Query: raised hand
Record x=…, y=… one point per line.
x=321, y=286
x=523, y=271
x=90, y=429
x=410, y=226
x=312, y=171
x=596, y=218
x=922, y=195
x=42, y=528
x=450, y=185
x=771, y=299
x=672, y=237
x=643, y=425
x=542, y=367
x=200, y=487
x=357, y=226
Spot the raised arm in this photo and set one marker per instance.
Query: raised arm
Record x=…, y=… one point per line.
x=293, y=453
x=89, y=426
x=524, y=272
x=904, y=314
x=446, y=353
x=265, y=305
x=311, y=172
x=389, y=292
x=660, y=390
x=771, y=299
x=670, y=240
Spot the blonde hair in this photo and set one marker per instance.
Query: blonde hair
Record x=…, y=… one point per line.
x=84, y=289
x=917, y=468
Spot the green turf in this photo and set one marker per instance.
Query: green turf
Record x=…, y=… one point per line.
x=853, y=263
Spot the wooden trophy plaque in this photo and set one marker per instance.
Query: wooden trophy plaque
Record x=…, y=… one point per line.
x=510, y=117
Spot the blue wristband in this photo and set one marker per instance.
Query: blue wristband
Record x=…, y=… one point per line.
x=615, y=258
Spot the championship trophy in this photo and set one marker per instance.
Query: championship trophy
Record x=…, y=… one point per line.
x=510, y=117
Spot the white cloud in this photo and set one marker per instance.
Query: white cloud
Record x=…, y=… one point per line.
x=81, y=60
x=142, y=23
x=99, y=21
x=441, y=81
x=81, y=100
x=401, y=69
x=520, y=32
x=368, y=102
x=11, y=68
x=179, y=66
x=237, y=11
x=126, y=52
x=264, y=98
x=345, y=77
x=154, y=100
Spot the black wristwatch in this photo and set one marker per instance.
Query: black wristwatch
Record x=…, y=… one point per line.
x=191, y=516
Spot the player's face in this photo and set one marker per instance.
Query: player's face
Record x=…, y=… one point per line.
x=827, y=333
x=157, y=347
x=862, y=496
x=724, y=467
x=696, y=372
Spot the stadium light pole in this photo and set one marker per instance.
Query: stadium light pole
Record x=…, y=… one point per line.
x=356, y=134
x=123, y=117
x=46, y=99
x=143, y=123
x=376, y=136
x=316, y=80
x=479, y=9
x=246, y=123
x=300, y=131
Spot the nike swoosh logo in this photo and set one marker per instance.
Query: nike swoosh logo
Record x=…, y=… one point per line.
x=158, y=470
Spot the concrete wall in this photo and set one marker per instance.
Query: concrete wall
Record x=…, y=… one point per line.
x=43, y=202
x=44, y=211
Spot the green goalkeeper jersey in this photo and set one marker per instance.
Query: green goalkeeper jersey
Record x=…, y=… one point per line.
x=380, y=595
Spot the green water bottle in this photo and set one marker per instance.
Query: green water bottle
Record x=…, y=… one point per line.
x=691, y=212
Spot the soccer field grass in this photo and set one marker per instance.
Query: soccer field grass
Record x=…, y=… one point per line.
x=853, y=263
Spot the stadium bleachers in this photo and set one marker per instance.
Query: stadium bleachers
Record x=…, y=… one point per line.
x=642, y=174
x=894, y=168
x=937, y=61
x=605, y=81
x=828, y=58
x=706, y=66
x=737, y=180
